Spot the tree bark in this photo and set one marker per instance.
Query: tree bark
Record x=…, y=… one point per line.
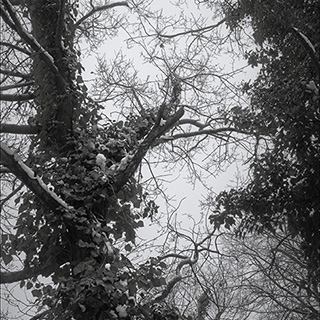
x=56, y=95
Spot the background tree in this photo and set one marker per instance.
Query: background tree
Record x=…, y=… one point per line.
x=261, y=277
x=283, y=190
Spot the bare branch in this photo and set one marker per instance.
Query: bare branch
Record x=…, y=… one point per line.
x=193, y=122
x=9, y=196
x=210, y=132
x=97, y=9
x=204, y=29
x=19, y=129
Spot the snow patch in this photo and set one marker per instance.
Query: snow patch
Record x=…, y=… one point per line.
x=122, y=311
x=101, y=161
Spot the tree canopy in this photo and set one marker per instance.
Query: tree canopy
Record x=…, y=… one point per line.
x=80, y=158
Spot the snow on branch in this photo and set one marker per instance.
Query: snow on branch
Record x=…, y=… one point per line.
x=305, y=39
x=13, y=162
x=178, y=276
x=307, y=44
x=184, y=261
x=193, y=122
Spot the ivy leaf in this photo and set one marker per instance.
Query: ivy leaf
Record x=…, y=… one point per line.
x=36, y=293
x=83, y=266
x=79, y=79
x=6, y=258
x=140, y=224
x=132, y=288
x=29, y=285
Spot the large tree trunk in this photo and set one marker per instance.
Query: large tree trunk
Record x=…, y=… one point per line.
x=56, y=95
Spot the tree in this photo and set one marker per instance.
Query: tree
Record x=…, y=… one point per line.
x=81, y=199
x=259, y=277
x=283, y=191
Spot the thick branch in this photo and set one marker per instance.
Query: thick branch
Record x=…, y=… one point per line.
x=24, y=274
x=193, y=122
x=19, y=129
x=13, y=162
x=10, y=277
x=97, y=9
x=16, y=97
